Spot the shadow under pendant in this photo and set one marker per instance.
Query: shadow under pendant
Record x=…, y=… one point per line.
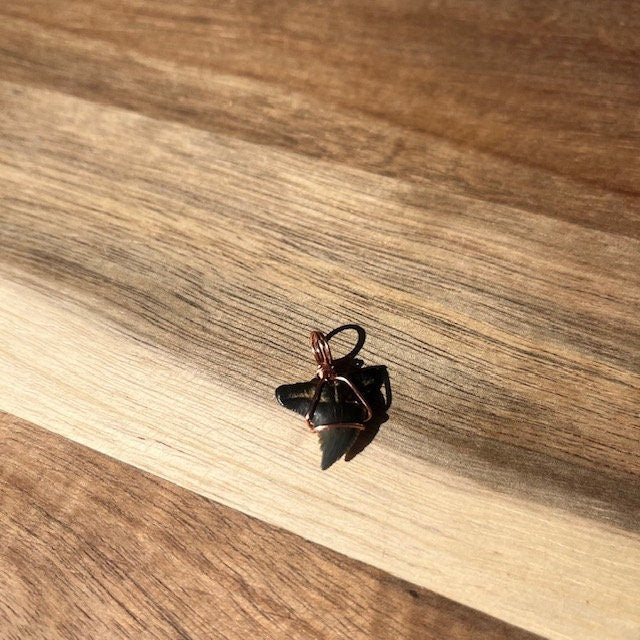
x=343, y=401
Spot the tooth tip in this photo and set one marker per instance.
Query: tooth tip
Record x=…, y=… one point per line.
x=335, y=443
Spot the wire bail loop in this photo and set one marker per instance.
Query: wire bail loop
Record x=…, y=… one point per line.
x=322, y=354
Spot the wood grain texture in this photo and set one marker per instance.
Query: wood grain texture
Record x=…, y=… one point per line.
x=183, y=202
x=511, y=78
x=94, y=548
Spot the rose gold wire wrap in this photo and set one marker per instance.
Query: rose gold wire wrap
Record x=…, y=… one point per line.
x=322, y=354
x=327, y=374
x=336, y=425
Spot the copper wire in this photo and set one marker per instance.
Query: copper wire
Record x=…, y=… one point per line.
x=322, y=354
x=327, y=374
x=335, y=425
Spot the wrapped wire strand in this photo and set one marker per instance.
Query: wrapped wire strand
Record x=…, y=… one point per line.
x=326, y=372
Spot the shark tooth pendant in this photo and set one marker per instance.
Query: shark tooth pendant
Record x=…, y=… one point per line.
x=342, y=397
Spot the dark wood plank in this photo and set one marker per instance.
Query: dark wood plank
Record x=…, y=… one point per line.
x=92, y=548
x=547, y=95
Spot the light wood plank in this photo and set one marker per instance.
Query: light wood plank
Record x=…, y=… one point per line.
x=138, y=327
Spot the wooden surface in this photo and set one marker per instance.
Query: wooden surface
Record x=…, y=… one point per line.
x=115, y=552
x=187, y=191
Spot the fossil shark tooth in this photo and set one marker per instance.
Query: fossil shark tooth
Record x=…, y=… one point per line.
x=337, y=405
x=334, y=443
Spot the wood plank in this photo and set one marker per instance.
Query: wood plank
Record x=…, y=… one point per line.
x=514, y=290
x=147, y=327
x=460, y=178
x=559, y=128
x=92, y=547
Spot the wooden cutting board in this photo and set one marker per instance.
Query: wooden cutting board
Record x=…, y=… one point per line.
x=188, y=189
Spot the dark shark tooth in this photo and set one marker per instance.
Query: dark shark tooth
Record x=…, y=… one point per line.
x=334, y=443
x=337, y=402
x=337, y=405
